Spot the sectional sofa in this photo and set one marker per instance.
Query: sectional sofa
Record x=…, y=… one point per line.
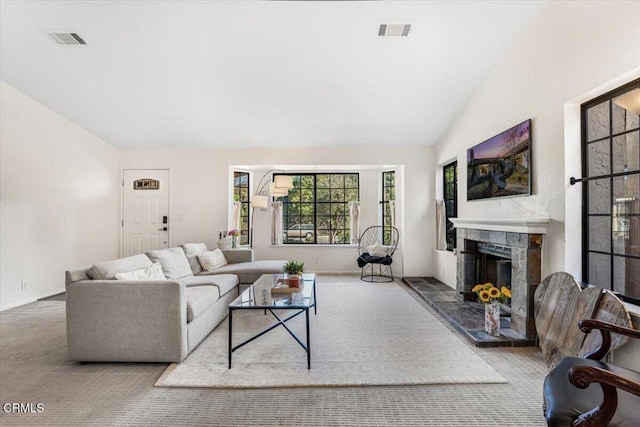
x=110, y=320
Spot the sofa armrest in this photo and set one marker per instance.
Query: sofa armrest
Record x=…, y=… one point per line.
x=235, y=256
x=126, y=321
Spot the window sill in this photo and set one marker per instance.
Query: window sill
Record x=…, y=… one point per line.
x=444, y=252
x=302, y=245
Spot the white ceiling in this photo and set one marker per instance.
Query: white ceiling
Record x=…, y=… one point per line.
x=168, y=74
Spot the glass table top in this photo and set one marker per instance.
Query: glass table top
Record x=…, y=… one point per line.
x=259, y=294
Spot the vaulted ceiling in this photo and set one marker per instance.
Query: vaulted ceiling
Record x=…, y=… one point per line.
x=170, y=74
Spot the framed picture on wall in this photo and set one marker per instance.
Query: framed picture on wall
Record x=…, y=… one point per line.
x=501, y=166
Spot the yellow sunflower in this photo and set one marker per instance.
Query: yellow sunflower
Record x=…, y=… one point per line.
x=484, y=296
x=494, y=292
x=506, y=292
x=477, y=288
x=487, y=286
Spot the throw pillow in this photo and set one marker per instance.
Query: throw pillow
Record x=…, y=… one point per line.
x=192, y=250
x=212, y=260
x=377, y=250
x=153, y=272
x=107, y=270
x=174, y=262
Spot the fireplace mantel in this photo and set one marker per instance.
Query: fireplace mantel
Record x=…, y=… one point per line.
x=537, y=225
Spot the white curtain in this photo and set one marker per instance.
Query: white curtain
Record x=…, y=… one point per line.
x=236, y=215
x=441, y=237
x=276, y=223
x=354, y=222
x=392, y=212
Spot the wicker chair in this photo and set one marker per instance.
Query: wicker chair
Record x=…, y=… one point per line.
x=376, y=266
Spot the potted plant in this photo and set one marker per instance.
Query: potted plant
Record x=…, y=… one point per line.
x=293, y=269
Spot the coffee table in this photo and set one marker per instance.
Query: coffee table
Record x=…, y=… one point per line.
x=259, y=297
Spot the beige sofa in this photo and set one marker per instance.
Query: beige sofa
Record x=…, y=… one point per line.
x=111, y=320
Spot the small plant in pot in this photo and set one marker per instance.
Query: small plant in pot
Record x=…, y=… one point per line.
x=293, y=269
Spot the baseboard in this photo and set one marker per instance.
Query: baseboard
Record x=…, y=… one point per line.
x=18, y=304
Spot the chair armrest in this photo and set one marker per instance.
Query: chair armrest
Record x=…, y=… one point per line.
x=582, y=376
x=605, y=329
x=121, y=320
x=235, y=256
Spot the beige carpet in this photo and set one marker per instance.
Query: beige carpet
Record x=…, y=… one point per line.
x=363, y=334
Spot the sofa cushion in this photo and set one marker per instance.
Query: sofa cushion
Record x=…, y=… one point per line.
x=174, y=262
x=248, y=272
x=223, y=282
x=199, y=299
x=212, y=260
x=192, y=250
x=107, y=270
x=153, y=272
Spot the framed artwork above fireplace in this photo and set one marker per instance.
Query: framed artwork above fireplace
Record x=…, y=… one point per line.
x=501, y=166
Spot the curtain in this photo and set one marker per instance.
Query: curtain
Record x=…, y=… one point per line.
x=392, y=212
x=237, y=206
x=441, y=237
x=354, y=222
x=276, y=223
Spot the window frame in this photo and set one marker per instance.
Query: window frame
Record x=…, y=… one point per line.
x=316, y=230
x=245, y=234
x=450, y=230
x=610, y=176
x=386, y=211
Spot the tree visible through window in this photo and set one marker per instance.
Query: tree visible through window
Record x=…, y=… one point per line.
x=316, y=210
x=241, y=194
x=450, y=173
x=611, y=192
x=388, y=195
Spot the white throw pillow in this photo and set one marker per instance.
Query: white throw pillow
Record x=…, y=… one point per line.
x=153, y=272
x=377, y=250
x=212, y=260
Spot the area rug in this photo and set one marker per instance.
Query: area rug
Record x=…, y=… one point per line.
x=363, y=334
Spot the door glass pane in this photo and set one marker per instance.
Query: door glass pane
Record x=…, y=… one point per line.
x=627, y=276
x=598, y=121
x=626, y=152
x=623, y=119
x=598, y=158
x=626, y=193
x=600, y=233
x=599, y=196
x=600, y=270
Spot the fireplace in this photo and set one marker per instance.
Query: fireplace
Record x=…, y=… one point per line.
x=505, y=253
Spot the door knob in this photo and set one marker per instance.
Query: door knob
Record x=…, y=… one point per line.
x=163, y=229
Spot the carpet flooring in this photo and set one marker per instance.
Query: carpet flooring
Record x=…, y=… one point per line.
x=34, y=369
x=364, y=334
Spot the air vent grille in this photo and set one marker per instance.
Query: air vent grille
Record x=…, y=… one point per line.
x=67, y=39
x=394, y=30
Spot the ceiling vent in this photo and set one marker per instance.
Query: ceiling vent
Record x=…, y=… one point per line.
x=67, y=39
x=394, y=30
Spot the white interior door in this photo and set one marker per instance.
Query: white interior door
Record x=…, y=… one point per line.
x=145, y=210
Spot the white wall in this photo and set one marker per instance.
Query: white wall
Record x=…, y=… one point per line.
x=570, y=49
x=200, y=181
x=59, y=198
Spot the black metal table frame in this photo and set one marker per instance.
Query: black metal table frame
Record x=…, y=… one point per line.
x=281, y=322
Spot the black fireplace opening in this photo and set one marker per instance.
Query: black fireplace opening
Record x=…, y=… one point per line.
x=493, y=264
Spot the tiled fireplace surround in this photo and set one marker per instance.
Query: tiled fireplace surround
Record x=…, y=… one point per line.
x=524, y=238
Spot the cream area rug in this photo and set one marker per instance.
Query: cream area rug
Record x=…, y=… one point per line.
x=363, y=334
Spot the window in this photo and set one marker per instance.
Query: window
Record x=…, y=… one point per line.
x=450, y=182
x=388, y=210
x=316, y=210
x=611, y=194
x=241, y=194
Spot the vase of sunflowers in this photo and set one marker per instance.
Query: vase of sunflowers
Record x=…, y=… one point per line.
x=492, y=297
